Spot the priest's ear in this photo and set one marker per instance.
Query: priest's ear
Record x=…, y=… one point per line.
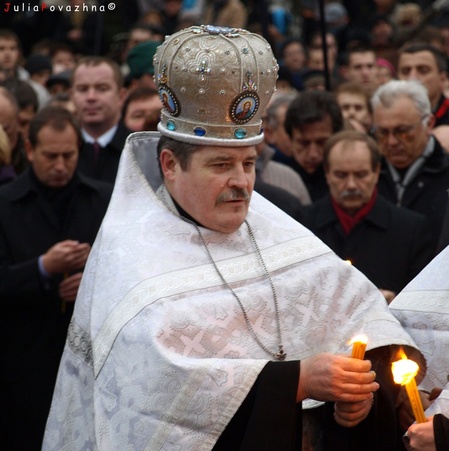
x=169, y=164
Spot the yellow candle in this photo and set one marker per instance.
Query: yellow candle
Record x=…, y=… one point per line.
x=404, y=372
x=358, y=346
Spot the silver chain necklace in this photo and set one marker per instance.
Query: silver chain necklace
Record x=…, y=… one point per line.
x=280, y=354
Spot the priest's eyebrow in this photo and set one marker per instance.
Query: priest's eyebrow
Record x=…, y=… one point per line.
x=228, y=158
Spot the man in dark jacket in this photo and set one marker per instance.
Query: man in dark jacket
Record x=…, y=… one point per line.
x=424, y=62
x=311, y=119
x=49, y=218
x=415, y=170
x=98, y=95
x=388, y=244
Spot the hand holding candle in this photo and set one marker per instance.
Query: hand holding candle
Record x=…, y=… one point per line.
x=359, y=346
x=404, y=372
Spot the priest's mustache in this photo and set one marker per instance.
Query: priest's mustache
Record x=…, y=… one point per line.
x=233, y=194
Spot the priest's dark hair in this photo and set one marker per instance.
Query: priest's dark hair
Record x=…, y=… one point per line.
x=181, y=150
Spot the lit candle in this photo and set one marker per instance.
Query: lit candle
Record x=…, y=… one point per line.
x=404, y=372
x=358, y=346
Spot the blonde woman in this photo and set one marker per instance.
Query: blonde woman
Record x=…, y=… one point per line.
x=6, y=170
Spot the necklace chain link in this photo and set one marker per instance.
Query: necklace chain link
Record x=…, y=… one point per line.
x=280, y=354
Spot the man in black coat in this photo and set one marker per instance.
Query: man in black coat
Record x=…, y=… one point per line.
x=98, y=95
x=415, y=170
x=389, y=245
x=49, y=218
x=424, y=62
x=310, y=121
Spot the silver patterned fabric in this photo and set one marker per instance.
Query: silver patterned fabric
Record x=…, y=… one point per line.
x=158, y=355
x=441, y=404
x=423, y=309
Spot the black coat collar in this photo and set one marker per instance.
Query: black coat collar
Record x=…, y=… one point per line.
x=24, y=185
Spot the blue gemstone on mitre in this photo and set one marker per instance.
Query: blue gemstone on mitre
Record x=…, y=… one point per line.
x=199, y=131
x=171, y=125
x=240, y=133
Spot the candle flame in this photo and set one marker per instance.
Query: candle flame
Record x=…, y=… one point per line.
x=404, y=371
x=349, y=262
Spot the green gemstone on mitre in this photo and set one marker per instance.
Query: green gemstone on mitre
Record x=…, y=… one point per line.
x=240, y=133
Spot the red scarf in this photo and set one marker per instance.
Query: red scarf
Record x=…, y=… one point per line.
x=347, y=221
x=443, y=109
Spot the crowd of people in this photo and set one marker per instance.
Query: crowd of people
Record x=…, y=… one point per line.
x=286, y=190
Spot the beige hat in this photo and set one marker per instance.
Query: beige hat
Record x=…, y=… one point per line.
x=215, y=84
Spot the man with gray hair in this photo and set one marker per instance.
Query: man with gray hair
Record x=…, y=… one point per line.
x=273, y=126
x=415, y=169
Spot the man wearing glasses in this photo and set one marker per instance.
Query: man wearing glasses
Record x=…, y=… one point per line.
x=415, y=169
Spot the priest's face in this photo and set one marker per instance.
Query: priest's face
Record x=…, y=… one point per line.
x=216, y=187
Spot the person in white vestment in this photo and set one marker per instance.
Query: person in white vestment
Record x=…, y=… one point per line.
x=422, y=308
x=207, y=318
